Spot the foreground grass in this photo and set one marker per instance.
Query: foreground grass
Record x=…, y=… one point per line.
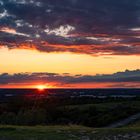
x=71, y=132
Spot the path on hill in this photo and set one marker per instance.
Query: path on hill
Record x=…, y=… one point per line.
x=125, y=121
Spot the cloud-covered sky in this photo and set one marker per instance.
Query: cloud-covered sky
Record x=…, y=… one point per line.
x=71, y=34
x=95, y=27
x=119, y=79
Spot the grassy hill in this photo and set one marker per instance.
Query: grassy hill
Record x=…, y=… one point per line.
x=71, y=132
x=55, y=118
x=52, y=112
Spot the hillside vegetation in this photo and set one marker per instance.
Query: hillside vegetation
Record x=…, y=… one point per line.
x=56, y=111
x=71, y=132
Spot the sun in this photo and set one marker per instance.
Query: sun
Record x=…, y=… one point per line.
x=41, y=87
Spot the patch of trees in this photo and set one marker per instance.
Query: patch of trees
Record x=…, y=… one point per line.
x=23, y=111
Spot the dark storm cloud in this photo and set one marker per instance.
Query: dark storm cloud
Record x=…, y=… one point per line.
x=91, y=26
x=66, y=79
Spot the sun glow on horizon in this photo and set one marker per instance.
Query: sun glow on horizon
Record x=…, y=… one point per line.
x=41, y=87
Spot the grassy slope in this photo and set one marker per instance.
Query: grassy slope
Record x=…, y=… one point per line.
x=60, y=132
x=70, y=132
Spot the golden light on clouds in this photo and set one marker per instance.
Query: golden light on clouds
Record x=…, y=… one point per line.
x=12, y=31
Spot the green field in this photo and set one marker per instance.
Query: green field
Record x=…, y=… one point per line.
x=71, y=132
x=64, y=121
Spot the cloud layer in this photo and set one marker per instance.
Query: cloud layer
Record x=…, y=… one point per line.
x=95, y=27
x=119, y=79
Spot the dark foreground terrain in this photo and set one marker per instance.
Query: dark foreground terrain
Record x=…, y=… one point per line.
x=88, y=107
x=67, y=133
x=63, y=116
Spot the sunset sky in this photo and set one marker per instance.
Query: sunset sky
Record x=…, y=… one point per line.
x=70, y=43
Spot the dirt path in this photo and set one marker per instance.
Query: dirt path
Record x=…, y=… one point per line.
x=125, y=121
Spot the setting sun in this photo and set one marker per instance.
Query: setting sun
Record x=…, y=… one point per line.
x=41, y=87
